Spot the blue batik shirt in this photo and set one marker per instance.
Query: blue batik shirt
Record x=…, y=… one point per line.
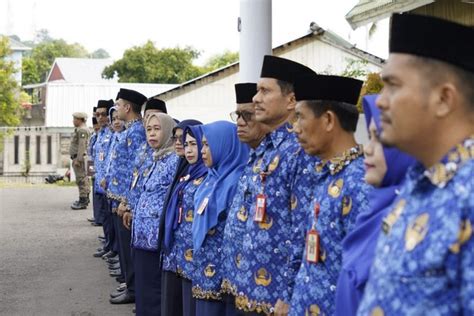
x=92, y=140
x=101, y=151
x=207, y=261
x=424, y=259
x=267, y=257
x=126, y=149
x=180, y=258
x=235, y=225
x=341, y=194
x=141, y=168
x=148, y=209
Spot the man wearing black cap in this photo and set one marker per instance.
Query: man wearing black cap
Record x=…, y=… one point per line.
x=90, y=162
x=101, y=150
x=128, y=105
x=252, y=133
x=326, y=121
x=424, y=262
x=266, y=257
x=154, y=105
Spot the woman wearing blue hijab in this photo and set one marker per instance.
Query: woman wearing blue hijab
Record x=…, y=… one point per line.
x=178, y=241
x=225, y=156
x=385, y=170
x=171, y=297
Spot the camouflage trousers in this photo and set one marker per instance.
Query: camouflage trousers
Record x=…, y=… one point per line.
x=82, y=180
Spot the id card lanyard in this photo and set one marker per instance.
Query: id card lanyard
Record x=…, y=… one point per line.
x=313, y=239
x=261, y=203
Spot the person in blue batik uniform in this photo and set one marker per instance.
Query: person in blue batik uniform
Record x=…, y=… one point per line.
x=128, y=106
x=386, y=168
x=178, y=242
x=326, y=121
x=101, y=150
x=147, y=212
x=252, y=133
x=424, y=259
x=90, y=154
x=176, y=296
x=225, y=156
x=265, y=255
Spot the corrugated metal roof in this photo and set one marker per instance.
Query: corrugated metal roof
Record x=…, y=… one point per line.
x=63, y=99
x=82, y=70
x=16, y=45
x=367, y=11
x=326, y=36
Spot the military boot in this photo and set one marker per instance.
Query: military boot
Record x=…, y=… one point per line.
x=81, y=205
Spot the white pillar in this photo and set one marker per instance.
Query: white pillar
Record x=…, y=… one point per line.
x=255, y=27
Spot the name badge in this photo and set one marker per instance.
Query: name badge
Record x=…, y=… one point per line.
x=180, y=214
x=203, y=206
x=135, y=178
x=312, y=246
x=260, y=209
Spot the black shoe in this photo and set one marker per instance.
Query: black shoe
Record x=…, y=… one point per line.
x=134, y=310
x=99, y=254
x=81, y=205
x=96, y=224
x=122, y=286
x=91, y=219
x=114, y=266
x=101, y=237
x=120, y=279
x=125, y=298
x=109, y=254
x=112, y=260
x=115, y=273
x=117, y=293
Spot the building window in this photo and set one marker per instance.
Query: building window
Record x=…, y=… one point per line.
x=50, y=150
x=16, y=144
x=27, y=150
x=38, y=150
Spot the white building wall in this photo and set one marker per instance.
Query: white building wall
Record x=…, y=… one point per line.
x=213, y=99
x=63, y=99
x=16, y=56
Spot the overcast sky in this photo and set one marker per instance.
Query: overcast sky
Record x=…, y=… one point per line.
x=208, y=25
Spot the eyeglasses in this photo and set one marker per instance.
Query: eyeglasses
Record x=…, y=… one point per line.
x=246, y=116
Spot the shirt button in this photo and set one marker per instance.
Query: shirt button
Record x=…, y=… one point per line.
x=332, y=225
x=276, y=250
x=332, y=288
x=306, y=279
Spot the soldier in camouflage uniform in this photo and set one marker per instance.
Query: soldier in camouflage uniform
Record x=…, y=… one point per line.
x=78, y=153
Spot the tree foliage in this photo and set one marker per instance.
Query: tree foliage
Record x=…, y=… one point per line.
x=372, y=85
x=37, y=63
x=9, y=105
x=221, y=60
x=148, y=64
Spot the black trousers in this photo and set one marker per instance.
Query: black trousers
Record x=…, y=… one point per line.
x=125, y=254
x=189, y=302
x=147, y=283
x=96, y=208
x=107, y=223
x=171, y=294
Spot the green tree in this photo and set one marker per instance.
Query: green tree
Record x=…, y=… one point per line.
x=37, y=65
x=221, y=60
x=99, y=54
x=148, y=64
x=9, y=104
x=372, y=85
x=356, y=68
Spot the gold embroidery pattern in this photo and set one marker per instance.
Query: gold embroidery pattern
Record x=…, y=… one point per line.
x=262, y=277
x=228, y=288
x=346, y=205
x=377, y=311
x=393, y=216
x=245, y=304
x=441, y=173
x=416, y=231
x=465, y=233
x=201, y=294
x=336, y=164
x=189, y=216
x=313, y=310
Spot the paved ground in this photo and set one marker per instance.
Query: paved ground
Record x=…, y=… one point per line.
x=46, y=263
